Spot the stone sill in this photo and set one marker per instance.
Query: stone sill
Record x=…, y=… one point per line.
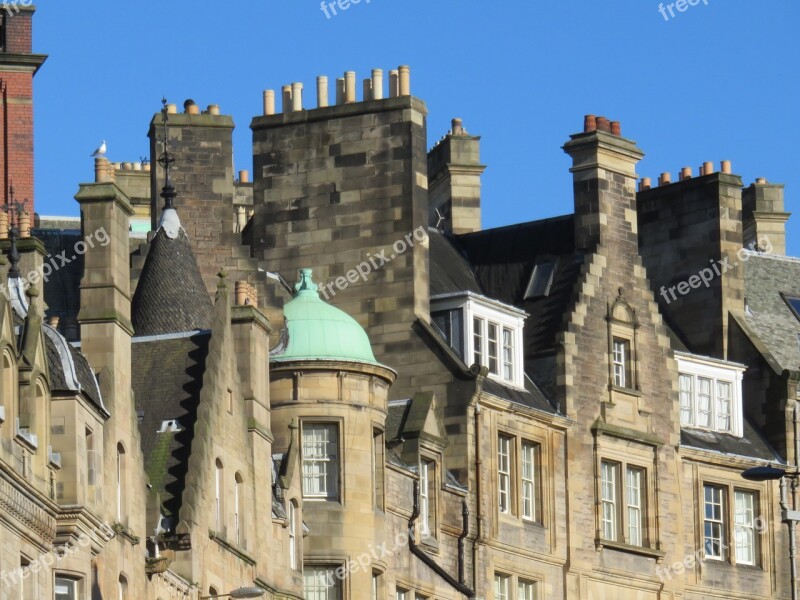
x=231, y=548
x=622, y=547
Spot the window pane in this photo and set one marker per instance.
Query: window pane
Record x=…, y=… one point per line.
x=621, y=356
x=292, y=517
x=425, y=475
x=401, y=595
x=703, y=402
x=320, y=460
x=724, y=397
x=477, y=340
x=504, y=473
x=634, y=491
x=508, y=354
x=492, y=351
x=66, y=589
x=745, y=529
x=713, y=525
x=450, y=324
x=501, y=587
x=529, y=481
x=686, y=384
x=526, y=591
x=320, y=583
x=609, y=500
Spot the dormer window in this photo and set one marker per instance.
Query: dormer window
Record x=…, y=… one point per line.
x=710, y=394
x=482, y=331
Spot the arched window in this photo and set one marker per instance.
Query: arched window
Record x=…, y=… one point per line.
x=218, y=492
x=212, y=591
x=237, y=499
x=121, y=483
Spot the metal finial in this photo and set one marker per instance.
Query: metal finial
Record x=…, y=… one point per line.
x=13, y=208
x=13, y=254
x=166, y=160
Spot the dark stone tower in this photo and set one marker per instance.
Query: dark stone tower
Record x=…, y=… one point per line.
x=343, y=189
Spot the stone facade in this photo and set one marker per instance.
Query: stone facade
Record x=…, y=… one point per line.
x=462, y=462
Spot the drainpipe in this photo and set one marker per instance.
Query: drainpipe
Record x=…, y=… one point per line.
x=464, y=533
x=478, y=498
x=423, y=556
x=480, y=374
x=792, y=535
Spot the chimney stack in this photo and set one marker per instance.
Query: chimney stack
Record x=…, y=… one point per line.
x=604, y=180
x=763, y=216
x=454, y=181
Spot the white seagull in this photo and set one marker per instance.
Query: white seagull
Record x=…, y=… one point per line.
x=101, y=151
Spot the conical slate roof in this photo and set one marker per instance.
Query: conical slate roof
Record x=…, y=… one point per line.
x=171, y=296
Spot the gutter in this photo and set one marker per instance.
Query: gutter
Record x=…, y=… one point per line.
x=423, y=556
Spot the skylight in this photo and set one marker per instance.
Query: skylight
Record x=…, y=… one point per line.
x=541, y=280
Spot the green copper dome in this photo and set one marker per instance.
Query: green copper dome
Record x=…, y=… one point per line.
x=319, y=331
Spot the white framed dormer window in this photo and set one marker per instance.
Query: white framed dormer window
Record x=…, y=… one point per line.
x=483, y=331
x=710, y=393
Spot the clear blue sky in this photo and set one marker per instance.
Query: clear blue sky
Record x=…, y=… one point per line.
x=718, y=81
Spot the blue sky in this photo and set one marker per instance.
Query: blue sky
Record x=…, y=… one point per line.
x=718, y=81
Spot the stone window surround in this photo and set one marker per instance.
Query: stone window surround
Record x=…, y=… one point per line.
x=518, y=440
x=640, y=457
x=333, y=566
x=729, y=488
x=430, y=537
x=622, y=326
x=515, y=578
x=621, y=502
x=338, y=495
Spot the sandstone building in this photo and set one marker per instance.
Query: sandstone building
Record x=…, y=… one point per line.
x=331, y=383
